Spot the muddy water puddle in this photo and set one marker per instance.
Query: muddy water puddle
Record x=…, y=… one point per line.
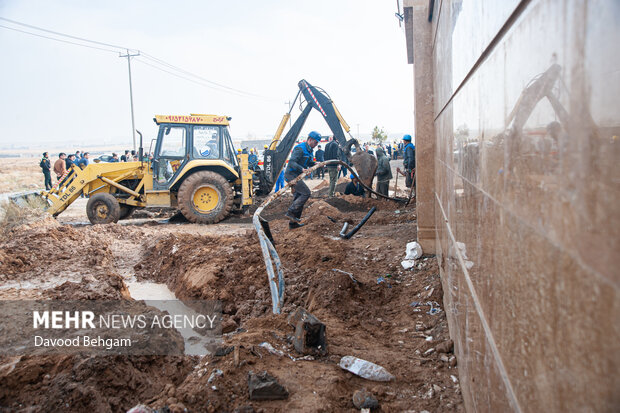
x=159, y=296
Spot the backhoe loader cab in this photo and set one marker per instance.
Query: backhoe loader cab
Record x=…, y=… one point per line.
x=194, y=168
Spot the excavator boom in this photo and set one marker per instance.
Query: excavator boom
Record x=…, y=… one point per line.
x=279, y=149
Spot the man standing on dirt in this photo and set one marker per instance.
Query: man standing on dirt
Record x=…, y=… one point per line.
x=384, y=172
x=301, y=159
x=331, y=153
x=320, y=157
x=59, y=166
x=408, y=160
x=46, y=166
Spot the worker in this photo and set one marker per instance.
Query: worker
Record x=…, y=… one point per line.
x=331, y=153
x=384, y=172
x=320, y=157
x=354, y=187
x=408, y=160
x=252, y=160
x=280, y=181
x=125, y=157
x=114, y=157
x=300, y=160
x=46, y=166
x=69, y=161
x=59, y=166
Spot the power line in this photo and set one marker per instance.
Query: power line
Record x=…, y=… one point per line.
x=188, y=79
x=154, y=59
x=64, y=34
x=59, y=40
x=162, y=62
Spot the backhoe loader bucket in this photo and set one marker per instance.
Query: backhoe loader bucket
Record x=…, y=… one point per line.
x=32, y=199
x=364, y=163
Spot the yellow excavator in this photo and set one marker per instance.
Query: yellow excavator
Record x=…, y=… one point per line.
x=195, y=168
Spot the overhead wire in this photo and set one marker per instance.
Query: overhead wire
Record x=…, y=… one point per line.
x=171, y=66
x=186, y=78
x=157, y=62
x=59, y=40
x=64, y=34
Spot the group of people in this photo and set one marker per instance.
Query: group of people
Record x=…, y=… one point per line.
x=61, y=165
x=128, y=156
x=79, y=158
x=302, y=158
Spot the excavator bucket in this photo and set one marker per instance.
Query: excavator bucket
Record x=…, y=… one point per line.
x=32, y=199
x=365, y=166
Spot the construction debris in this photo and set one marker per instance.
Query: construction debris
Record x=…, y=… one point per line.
x=363, y=399
x=365, y=369
x=309, y=337
x=263, y=386
x=413, y=252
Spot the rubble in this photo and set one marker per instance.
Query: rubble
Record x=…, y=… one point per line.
x=363, y=399
x=365, y=369
x=263, y=386
x=309, y=337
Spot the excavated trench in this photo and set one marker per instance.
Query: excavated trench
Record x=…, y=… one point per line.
x=369, y=315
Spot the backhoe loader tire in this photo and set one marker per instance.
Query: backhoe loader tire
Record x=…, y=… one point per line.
x=103, y=209
x=205, y=197
x=126, y=211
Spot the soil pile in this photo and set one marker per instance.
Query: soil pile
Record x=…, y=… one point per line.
x=372, y=309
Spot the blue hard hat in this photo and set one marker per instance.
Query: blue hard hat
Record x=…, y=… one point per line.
x=407, y=138
x=352, y=176
x=315, y=135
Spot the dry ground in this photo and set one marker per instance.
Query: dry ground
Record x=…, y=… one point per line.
x=20, y=174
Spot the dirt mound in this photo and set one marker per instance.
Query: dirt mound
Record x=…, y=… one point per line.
x=230, y=269
x=371, y=307
x=107, y=287
x=80, y=383
x=34, y=250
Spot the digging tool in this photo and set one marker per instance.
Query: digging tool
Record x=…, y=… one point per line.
x=396, y=183
x=411, y=193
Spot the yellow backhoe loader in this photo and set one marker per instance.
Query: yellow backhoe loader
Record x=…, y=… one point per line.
x=194, y=168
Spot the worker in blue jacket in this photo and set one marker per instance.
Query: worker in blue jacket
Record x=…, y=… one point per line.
x=300, y=160
x=408, y=160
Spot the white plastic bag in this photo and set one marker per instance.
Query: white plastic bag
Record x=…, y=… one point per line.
x=414, y=251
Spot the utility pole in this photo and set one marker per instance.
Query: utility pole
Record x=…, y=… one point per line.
x=133, y=124
x=290, y=108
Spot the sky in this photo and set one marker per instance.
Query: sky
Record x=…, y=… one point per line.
x=54, y=92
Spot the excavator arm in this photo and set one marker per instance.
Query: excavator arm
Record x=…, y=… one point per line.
x=279, y=149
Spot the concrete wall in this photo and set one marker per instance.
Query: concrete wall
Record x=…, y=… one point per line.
x=526, y=115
